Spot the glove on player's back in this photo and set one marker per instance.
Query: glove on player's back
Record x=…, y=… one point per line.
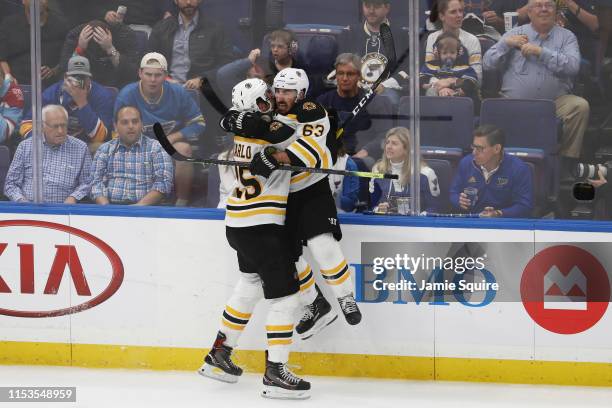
x=264, y=163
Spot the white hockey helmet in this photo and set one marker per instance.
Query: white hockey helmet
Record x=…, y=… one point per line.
x=246, y=94
x=292, y=78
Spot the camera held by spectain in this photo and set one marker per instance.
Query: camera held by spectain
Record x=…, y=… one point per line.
x=584, y=171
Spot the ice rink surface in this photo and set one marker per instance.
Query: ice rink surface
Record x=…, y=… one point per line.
x=109, y=388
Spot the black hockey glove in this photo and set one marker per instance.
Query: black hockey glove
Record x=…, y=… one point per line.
x=247, y=124
x=264, y=163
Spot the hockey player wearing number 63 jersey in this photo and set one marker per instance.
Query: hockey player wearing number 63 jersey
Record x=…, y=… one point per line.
x=255, y=218
x=311, y=211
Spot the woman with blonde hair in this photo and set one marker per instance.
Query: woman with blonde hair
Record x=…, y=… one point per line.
x=397, y=159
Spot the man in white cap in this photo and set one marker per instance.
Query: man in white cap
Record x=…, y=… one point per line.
x=169, y=104
x=89, y=105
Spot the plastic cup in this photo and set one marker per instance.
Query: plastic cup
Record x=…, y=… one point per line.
x=472, y=195
x=510, y=20
x=403, y=205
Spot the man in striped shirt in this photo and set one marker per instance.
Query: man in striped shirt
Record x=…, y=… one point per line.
x=131, y=169
x=66, y=164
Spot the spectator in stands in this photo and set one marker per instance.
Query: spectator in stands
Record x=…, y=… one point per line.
x=397, y=160
x=89, y=104
x=450, y=12
x=442, y=76
x=345, y=189
x=503, y=183
x=362, y=138
x=66, y=164
x=195, y=44
x=236, y=71
x=168, y=103
x=11, y=106
x=15, y=44
x=364, y=40
x=494, y=16
x=110, y=49
x=580, y=18
x=283, y=54
x=131, y=169
x=139, y=12
x=539, y=61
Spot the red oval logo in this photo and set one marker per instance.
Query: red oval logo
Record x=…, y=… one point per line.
x=65, y=256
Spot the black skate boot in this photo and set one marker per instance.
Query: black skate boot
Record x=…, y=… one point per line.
x=280, y=383
x=350, y=309
x=317, y=316
x=218, y=363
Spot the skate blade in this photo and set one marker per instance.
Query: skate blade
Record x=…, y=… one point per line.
x=322, y=323
x=281, y=393
x=218, y=374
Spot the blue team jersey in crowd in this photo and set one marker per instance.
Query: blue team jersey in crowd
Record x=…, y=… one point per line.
x=175, y=110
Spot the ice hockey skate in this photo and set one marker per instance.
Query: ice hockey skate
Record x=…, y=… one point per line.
x=218, y=364
x=350, y=309
x=317, y=316
x=280, y=383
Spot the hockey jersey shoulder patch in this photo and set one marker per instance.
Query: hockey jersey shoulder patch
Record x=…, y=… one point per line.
x=309, y=111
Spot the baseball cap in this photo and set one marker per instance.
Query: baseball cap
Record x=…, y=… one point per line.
x=154, y=60
x=78, y=65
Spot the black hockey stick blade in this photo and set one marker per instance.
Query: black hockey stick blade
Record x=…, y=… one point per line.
x=388, y=44
x=211, y=96
x=160, y=134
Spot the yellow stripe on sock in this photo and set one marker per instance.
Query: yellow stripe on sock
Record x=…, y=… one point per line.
x=335, y=270
x=339, y=280
x=307, y=285
x=288, y=327
x=302, y=275
x=232, y=325
x=279, y=342
x=238, y=314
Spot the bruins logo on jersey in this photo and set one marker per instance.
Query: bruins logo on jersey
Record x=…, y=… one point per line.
x=274, y=126
x=308, y=106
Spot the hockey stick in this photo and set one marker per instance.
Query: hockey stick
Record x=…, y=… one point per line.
x=211, y=96
x=388, y=44
x=160, y=134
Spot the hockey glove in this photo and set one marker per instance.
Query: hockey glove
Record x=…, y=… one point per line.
x=264, y=163
x=247, y=124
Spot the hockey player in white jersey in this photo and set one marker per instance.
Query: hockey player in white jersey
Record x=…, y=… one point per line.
x=311, y=211
x=255, y=218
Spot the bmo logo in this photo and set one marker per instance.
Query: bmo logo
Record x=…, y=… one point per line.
x=49, y=269
x=565, y=289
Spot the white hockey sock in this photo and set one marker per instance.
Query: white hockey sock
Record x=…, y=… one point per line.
x=334, y=268
x=279, y=327
x=247, y=293
x=308, y=293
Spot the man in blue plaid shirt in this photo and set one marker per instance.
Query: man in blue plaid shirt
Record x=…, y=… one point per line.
x=66, y=164
x=133, y=168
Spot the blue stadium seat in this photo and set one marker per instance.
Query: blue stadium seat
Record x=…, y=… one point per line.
x=531, y=127
x=447, y=124
x=444, y=171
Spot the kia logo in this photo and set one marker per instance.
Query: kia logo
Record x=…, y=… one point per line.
x=21, y=282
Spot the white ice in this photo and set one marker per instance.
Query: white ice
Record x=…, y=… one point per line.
x=109, y=388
